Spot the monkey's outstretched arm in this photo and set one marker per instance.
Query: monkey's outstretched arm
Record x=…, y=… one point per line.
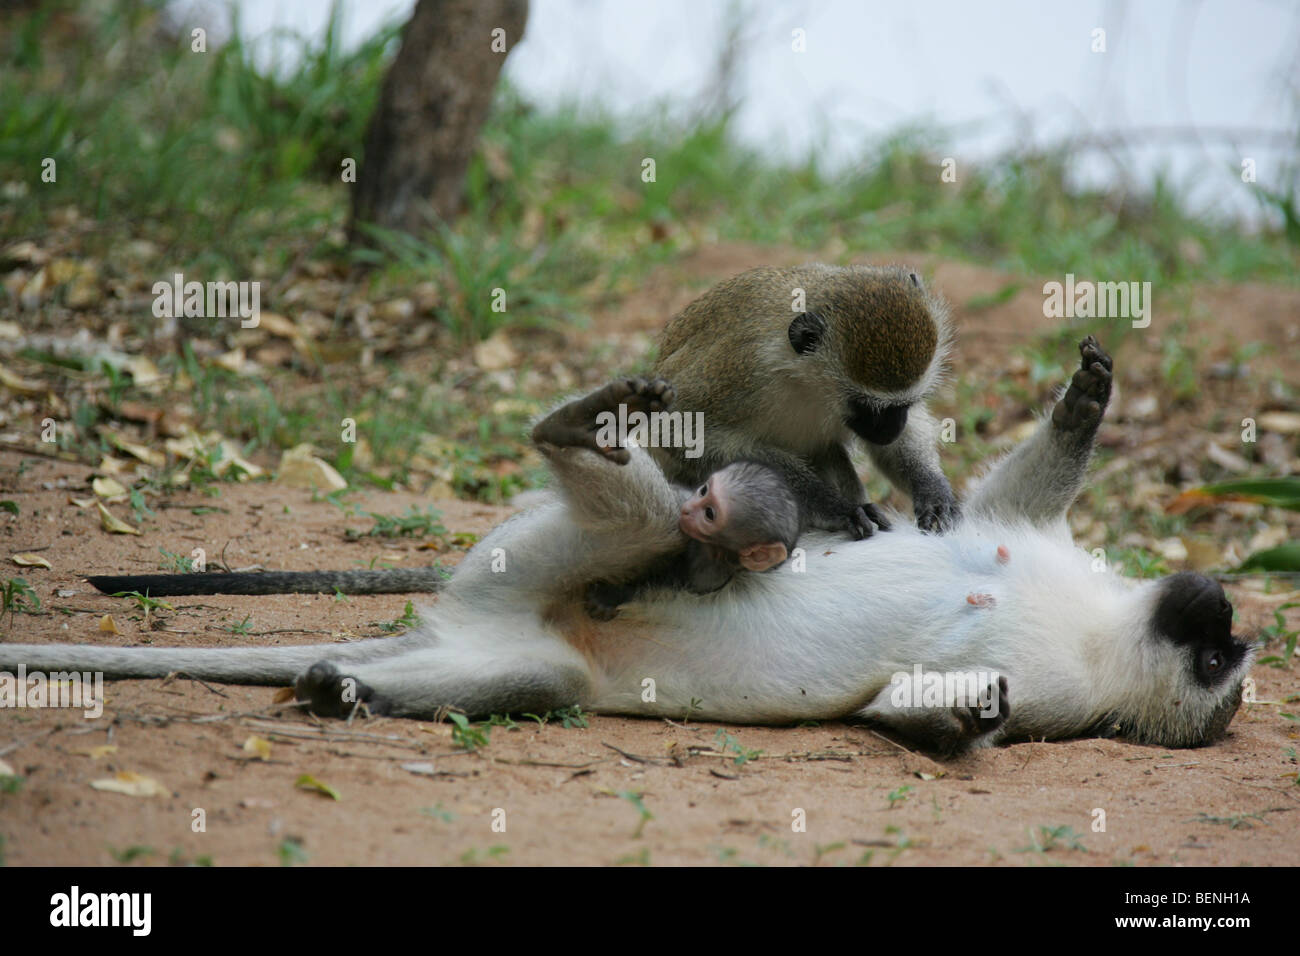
x=819, y=492
x=1040, y=479
x=911, y=463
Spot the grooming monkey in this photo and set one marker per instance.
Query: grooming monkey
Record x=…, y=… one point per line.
x=785, y=389
x=787, y=364
x=1076, y=651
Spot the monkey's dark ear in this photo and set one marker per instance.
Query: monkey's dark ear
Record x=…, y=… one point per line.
x=916, y=280
x=806, y=332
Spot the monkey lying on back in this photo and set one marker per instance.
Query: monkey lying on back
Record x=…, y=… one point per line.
x=1057, y=648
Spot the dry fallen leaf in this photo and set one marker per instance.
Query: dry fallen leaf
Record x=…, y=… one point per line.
x=31, y=561
x=423, y=768
x=131, y=784
x=6, y=770
x=283, y=695
x=259, y=747
x=114, y=466
x=1283, y=423
x=299, y=468
x=94, y=753
x=192, y=445
x=143, y=371
x=21, y=385
x=495, y=353
x=143, y=452
x=308, y=782
x=108, y=488
x=81, y=502
x=108, y=625
x=113, y=525
x=233, y=361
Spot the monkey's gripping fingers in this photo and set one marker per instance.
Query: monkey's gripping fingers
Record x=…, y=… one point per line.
x=1080, y=410
x=330, y=693
x=980, y=720
x=578, y=424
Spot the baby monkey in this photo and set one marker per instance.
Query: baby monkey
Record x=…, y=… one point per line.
x=744, y=517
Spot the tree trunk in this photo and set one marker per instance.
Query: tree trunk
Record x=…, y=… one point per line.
x=433, y=103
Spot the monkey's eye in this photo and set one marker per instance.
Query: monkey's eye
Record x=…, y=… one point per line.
x=708, y=514
x=704, y=490
x=1212, y=662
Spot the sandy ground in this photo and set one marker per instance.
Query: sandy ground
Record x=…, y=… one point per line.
x=563, y=795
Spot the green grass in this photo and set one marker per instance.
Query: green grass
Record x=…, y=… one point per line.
x=231, y=167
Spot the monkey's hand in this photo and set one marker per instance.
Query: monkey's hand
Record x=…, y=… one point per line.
x=602, y=599
x=935, y=505
x=1079, y=411
x=576, y=425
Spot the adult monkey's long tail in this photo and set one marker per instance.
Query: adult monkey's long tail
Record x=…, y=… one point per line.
x=385, y=581
x=277, y=666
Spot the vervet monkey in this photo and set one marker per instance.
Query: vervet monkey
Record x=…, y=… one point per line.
x=1075, y=650
x=786, y=364
x=744, y=517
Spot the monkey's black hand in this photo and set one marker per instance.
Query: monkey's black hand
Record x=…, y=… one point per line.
x=864, y=520
x=935, y=506
x=1079, y=411
x=575, y=424
x=331, y=693
x=603, y=598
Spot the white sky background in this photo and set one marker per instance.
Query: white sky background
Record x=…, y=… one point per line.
x=996, y=74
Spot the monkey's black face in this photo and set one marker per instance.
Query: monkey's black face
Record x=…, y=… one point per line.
x=880, y=426
x=1194, y=614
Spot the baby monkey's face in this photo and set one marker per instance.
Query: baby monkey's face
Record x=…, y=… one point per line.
x=704, y=515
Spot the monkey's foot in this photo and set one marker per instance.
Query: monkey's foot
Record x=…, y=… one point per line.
x=331, y=693
x=864, y=520
x=977, y=721
x=1079, y=411
x=575, y=425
